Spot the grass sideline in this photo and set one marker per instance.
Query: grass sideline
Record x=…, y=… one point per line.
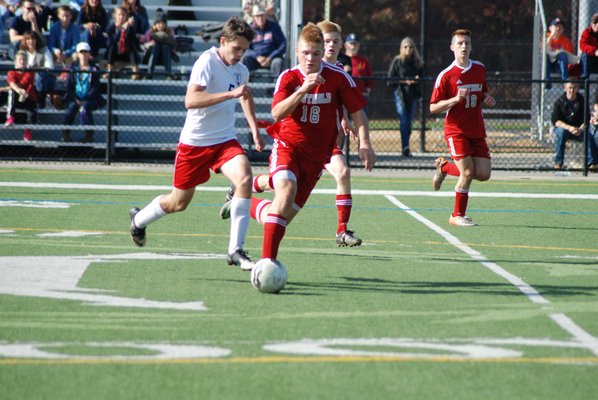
x=422, y=309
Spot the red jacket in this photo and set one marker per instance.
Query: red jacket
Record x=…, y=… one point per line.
x=26, y=80
x=589, y=42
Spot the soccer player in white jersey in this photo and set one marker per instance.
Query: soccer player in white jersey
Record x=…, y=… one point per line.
x=208, y=139
x=460, y=90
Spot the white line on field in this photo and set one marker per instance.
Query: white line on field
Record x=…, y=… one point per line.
x=89, y=186
x=566, y=323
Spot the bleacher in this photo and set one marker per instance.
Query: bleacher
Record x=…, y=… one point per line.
x=145, y=115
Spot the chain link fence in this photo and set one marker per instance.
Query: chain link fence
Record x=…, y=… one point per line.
x=143, y=119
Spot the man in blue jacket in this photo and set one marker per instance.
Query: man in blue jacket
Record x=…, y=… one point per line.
x=269, y=45
x=64, y=36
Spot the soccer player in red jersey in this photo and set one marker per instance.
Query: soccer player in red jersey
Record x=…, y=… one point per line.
x=305, y=109
x=337, y=167
x=460, y=90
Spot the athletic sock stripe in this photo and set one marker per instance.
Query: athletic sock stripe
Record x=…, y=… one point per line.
x=344, y=202
x=273, y=219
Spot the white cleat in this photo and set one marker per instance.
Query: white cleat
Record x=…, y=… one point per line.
x=461, y=221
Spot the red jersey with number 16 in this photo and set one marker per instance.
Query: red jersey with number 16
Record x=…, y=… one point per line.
x=312, y=128
x=464, y=118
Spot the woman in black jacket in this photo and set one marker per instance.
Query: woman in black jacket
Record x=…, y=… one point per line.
x=404, y=72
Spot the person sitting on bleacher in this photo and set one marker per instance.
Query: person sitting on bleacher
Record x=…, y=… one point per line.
x=29, y=20
x=22, y=94
x=122, y=43
x=83, y=93
x=160, y=46
x=64, y=36
x=93, y=20
x=269, y=45
x=38, y=56
x=588, y=44
x=559, y=50
x=139, y=14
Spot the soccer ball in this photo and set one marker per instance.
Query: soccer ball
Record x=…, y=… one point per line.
x=269, y=276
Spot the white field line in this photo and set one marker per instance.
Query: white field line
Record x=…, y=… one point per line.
x=586, y=339
x=49, y=185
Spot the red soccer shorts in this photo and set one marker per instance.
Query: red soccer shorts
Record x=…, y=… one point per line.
x=305, y=169
x=461, y=147
x=192, y=164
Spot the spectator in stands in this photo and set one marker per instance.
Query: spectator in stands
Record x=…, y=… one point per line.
x=93, y=20
x=122, y=43
x=588, y=45
x=269, y=45
x=360, y=66
x=64, y=36
x=39, y=57
x=160, y=46
x=5, y=12
x=568, y=121
x=83, y=93
x=139, y=14
x=269, y=7
x=593, y=138
x=559, y=50
x=28, y=21
x=22, y=94
x=403, y=74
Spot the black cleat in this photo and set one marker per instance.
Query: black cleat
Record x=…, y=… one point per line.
x=137, y=234
x=240, y=259
x=347, y=238
x=225, y=210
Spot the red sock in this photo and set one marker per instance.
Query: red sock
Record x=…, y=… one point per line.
x=256, y=186
x=344, y=202
x=256, y=207
x=461, y=198
x=450, y=168
x=274, y=228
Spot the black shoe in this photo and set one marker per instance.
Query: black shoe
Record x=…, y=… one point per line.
x=137, y=234
x=347, y=238
x=407, y=152
x=240, y=259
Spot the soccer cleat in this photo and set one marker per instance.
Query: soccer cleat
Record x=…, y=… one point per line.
x=240, y=259
x=137, y=234
x=439, y=176
x=230, y=193
x=225, y=210
x=27, y=136
x=461, y=221
x=347, y=238
x=10, y=121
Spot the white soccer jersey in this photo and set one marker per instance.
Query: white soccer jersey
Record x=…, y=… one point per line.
x=214, y=124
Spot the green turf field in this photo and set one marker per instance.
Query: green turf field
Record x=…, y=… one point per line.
x=422, y=310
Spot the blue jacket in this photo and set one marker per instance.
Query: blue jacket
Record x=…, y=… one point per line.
x=71, y=38
x=270, y=41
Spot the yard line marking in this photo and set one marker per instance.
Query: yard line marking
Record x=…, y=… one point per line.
x=567, y=324
x=301, y=359
x=512, y=195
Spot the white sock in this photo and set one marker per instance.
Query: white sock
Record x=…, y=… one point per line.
x=150, y=213
x=239, y=222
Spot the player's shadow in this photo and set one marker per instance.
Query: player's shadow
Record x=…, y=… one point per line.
x=356, y=284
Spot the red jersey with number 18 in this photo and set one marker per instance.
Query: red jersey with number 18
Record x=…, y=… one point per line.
x=464, y=118
x=312, y=128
